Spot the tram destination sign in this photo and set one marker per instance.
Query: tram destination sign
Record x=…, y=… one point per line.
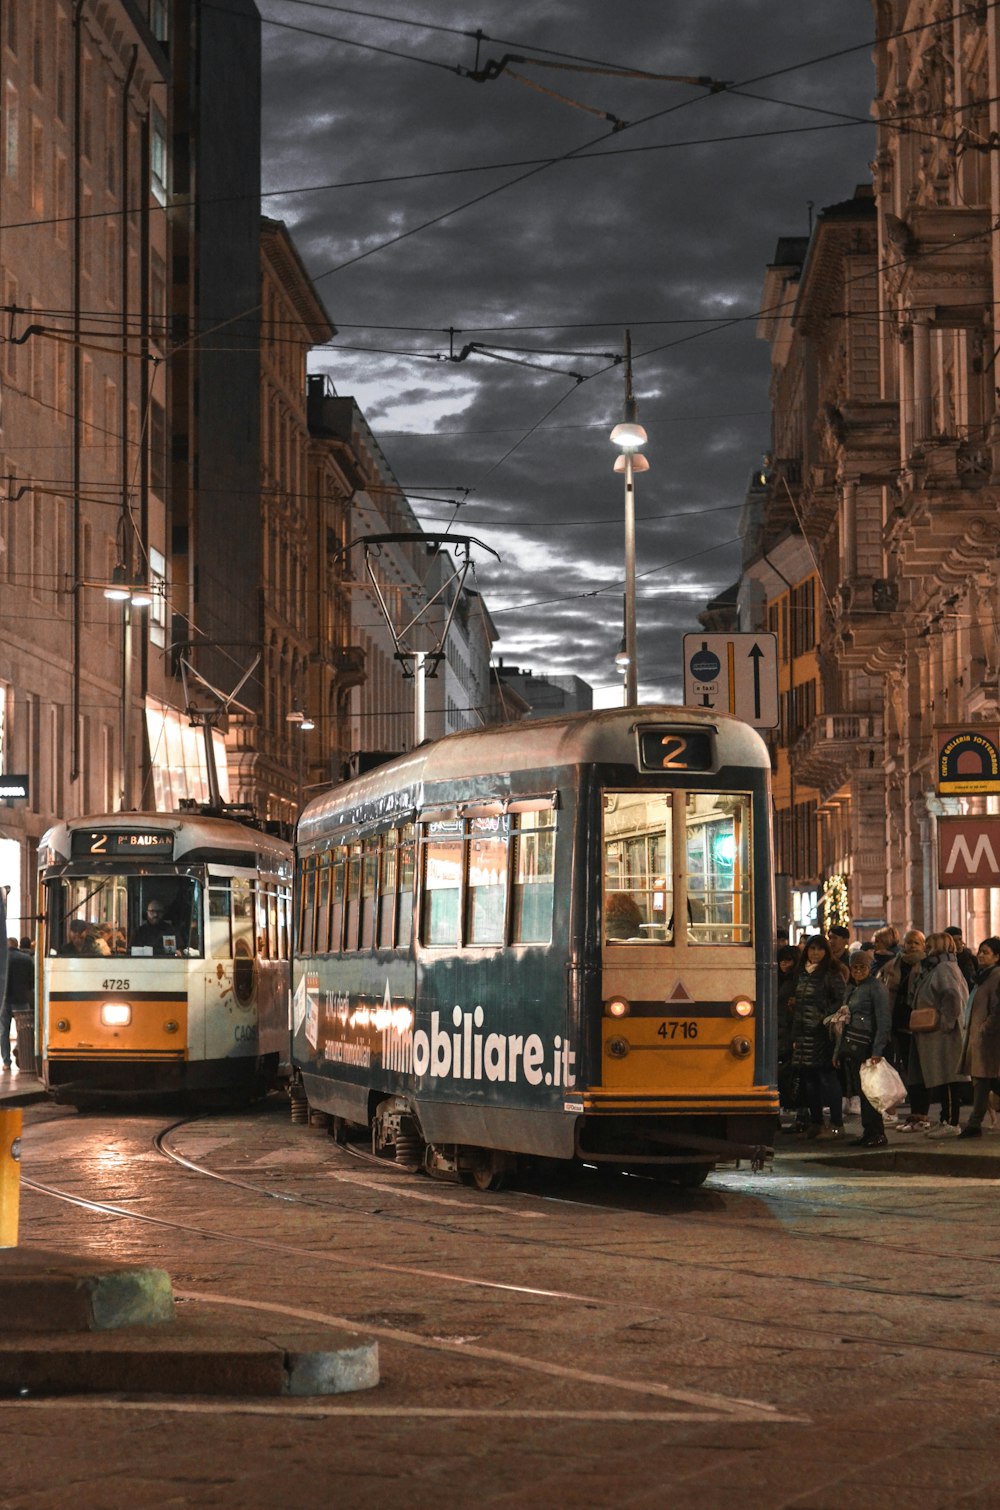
x=101, y=843
x=662, y=749
x=968, y=761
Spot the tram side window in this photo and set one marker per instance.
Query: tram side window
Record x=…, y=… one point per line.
x=322, y=940
x=284, y=923
x=717, y=850
x=442, y=882
x=220, y=938
x=243, y=918
x=369, y=877
x=404, y=913
x=534, y=875
x=352, y=908
x=307, y=904
x=487, y=880
x=337, y=900
x=638, y=871
x=387, y=888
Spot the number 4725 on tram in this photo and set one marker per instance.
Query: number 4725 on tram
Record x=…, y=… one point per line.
x=551, y=940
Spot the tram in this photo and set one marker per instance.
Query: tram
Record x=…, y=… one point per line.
x=547, y=941
x=163, y=957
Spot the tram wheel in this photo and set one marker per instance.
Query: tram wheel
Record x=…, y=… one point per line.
x=484, y=1178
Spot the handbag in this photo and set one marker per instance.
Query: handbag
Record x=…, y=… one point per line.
x=924, y=1020
x=857, y=1041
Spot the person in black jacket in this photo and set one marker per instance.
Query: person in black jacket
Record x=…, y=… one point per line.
x=787, y=961
x=818, y=992
x=964, y=958
x=18, y=993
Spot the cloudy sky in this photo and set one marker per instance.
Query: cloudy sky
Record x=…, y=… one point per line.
x=425, y=202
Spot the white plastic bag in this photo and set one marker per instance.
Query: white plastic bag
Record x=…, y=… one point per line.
x=882, y=1085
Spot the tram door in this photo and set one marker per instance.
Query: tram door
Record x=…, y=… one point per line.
x=678, y=939
x=230, y=996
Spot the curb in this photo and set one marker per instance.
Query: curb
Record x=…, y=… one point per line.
x=187, y=1360
x=904, y=1159
x=42, y=1292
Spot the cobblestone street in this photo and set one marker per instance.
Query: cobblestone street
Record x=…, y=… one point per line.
x=812, y=1336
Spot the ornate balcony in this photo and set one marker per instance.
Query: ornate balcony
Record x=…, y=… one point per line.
x=834, y=746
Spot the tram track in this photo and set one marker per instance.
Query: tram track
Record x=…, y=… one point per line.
x=537, y=1245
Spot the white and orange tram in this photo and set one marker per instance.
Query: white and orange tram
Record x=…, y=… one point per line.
x=163, y=957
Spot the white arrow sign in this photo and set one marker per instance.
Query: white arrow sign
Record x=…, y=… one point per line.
x=733, y=673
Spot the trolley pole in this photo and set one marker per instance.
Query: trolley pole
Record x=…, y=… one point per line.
x=419, y=697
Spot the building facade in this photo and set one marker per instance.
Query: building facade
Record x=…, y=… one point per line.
x=871, y=534
x=83, y=396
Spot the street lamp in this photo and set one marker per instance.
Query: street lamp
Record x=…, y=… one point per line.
x=305, y=725
x=630, y=436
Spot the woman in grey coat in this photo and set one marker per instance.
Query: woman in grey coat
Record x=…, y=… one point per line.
x=866, y=1036
x=982, y=1036
x=941, y=985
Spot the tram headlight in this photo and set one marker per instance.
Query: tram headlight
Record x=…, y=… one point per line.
x=740, y=1047
x=171, y=1026
x=741, y=1006
x=116, y=1014
x=62, y=1025
x=617, y=1006
x=618, y=1048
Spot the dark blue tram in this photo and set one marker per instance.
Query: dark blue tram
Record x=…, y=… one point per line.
x=551, y=940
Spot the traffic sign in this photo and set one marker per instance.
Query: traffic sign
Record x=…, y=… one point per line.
x=969, y=851
x=733, y=673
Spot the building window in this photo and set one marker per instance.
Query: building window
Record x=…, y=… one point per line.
x=157, y=447
x=158, y=607
x=38, y=47
x=61, y=196
x=158, y=159
x=11, y=123
x=110, y=143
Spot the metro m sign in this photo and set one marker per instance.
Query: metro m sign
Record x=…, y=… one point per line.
x=968, y=851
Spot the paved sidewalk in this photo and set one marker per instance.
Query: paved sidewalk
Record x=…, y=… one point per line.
x=906, y=1152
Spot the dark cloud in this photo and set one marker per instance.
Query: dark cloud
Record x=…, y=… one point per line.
x=671, y=240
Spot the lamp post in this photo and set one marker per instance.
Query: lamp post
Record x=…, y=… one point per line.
x=630, y=436
x=304, y=725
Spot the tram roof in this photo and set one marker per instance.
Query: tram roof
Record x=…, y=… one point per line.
x=192, y=831
x=606, y=736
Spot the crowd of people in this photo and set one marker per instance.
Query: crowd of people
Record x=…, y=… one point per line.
x=926, y=1004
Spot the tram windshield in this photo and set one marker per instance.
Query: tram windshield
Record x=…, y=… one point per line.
x=648, y=875
x=149, y=915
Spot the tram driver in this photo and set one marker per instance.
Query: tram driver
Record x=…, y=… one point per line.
x=157, y=934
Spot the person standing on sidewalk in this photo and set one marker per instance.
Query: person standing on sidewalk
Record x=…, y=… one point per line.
x=818, y=992
x=964, y=957
x=898, y=979
x=865, y=1037
x=20, y=986
x=940, y=993
x=981, y=1058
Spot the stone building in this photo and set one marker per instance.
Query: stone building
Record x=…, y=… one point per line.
x=83, y=399
x=872, y=531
